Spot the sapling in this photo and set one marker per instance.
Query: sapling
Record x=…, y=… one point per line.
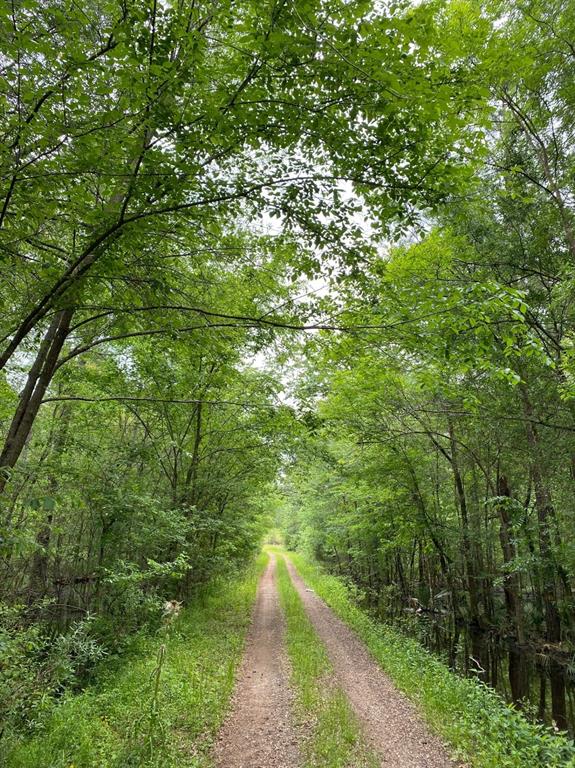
x=154, y=731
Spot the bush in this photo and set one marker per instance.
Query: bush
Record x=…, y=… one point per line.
x=126, y=720
x=35, y=668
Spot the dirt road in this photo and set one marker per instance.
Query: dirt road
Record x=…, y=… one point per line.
x=392, y=726
x=259, y=733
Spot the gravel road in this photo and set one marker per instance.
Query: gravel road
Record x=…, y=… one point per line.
x=259, y=731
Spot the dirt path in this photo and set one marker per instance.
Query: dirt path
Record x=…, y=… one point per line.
x=258, y=732
x=390, y=722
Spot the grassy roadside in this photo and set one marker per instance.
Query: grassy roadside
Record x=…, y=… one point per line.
x=334, y=740
x=480, y=727
x=160, y=711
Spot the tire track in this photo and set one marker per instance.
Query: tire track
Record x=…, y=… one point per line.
x=259, y=732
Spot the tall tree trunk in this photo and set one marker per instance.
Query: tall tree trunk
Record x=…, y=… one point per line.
x=39, y=567
x=191, y=490
x=468, y=561
x=518, y=677
x=445, y=562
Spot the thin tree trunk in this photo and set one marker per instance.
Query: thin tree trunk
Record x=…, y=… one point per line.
x=40, y=560
x=469, y=565
x=192, y=474
x=547, y=568
x=518, y=677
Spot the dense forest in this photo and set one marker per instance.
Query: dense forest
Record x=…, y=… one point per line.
x=302, y=263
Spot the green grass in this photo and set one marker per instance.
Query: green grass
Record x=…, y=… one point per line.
x=334, y=738
x=121, y=723
x=473, y=719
